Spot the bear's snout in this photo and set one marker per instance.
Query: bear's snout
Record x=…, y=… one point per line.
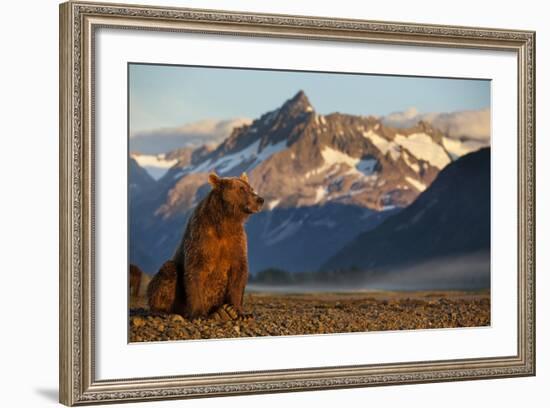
x=255, y=204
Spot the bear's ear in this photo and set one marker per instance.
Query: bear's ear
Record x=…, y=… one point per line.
x=214, y=180
x=244, y=177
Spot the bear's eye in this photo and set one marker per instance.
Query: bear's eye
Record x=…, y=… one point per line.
x=243, y=189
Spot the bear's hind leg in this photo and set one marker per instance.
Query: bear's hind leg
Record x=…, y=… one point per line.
x=161, y=291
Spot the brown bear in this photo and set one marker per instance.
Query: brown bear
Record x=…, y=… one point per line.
x=209, y=269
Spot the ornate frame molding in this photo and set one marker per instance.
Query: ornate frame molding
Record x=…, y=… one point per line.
x=77, y=24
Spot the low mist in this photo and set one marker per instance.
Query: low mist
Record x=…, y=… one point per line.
x=466, y=272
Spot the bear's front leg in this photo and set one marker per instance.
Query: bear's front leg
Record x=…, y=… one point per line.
x=238, y=277
x=197, y=289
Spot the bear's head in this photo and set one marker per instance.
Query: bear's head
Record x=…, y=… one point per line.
x=236, y=194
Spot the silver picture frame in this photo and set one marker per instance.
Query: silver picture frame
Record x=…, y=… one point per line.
x=78, y=24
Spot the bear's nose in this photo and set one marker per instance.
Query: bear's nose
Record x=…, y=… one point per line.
x=260, y=200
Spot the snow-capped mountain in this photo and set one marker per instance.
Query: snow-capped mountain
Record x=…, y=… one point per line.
x=296, y=157
x=299, y=161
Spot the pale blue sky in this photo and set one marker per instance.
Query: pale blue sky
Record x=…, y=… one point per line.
x=168, y=96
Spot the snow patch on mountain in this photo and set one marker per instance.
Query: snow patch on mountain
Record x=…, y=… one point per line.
x=250, y=154
x=384, y=145
x=320, y=193
x=272, y=204
x=203, y=167
x=423, y=147
x=334, y=161
x=457, y=148
x=411, y=164
x=415, y=183
x=332, y=156
x=226, y=163
x=269, y=151
x=156, y=165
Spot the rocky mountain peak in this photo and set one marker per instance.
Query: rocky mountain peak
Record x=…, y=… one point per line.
x=272, y=132
x=297, y=105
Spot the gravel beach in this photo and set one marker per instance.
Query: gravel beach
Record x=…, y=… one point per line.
x=280, y=314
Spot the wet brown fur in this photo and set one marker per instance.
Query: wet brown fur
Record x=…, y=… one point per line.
x=210, y=265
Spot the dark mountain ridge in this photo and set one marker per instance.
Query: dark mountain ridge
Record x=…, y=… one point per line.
x=450, y=220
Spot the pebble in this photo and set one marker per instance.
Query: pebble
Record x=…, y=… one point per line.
x=176, y=318
x=138, y=321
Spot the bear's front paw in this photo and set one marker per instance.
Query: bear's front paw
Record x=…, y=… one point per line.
x=246, y=317
x=224, y=313
x=227, y=312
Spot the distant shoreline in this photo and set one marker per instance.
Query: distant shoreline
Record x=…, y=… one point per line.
x=333, y=289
